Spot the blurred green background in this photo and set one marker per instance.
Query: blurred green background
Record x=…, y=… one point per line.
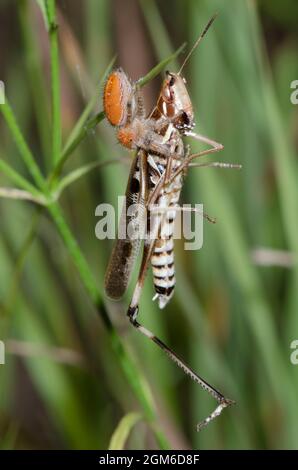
x=73, y=378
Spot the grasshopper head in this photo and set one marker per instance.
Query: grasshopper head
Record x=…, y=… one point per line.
x=174, y=102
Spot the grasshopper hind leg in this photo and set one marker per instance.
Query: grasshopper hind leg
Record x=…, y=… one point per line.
x=223, y=402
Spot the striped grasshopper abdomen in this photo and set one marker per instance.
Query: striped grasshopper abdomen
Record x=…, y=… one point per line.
x=162, y=259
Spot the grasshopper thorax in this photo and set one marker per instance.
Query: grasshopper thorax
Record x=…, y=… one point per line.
x=174, y=102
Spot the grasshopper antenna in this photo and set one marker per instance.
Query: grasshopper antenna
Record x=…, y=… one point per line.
x=197, y=42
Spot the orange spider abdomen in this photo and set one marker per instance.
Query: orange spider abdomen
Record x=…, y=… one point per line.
x=117, y=92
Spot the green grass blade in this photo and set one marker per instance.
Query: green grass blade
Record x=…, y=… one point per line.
x=32, y=58
x=160, y=66
x=124, y=428
x=156, y=27
x=80, y=172
x=17, y=179
x=42, y=6
x=55, y=79
x=285, y=160
x=23, y=148
x=80, y=136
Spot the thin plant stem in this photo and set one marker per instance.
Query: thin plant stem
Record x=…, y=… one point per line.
x=20, y=194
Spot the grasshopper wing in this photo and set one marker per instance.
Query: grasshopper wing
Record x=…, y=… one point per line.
x=130, y=230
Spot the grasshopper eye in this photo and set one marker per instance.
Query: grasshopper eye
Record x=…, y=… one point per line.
x=185, y=118
x=172, y=81
x=171, y=78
